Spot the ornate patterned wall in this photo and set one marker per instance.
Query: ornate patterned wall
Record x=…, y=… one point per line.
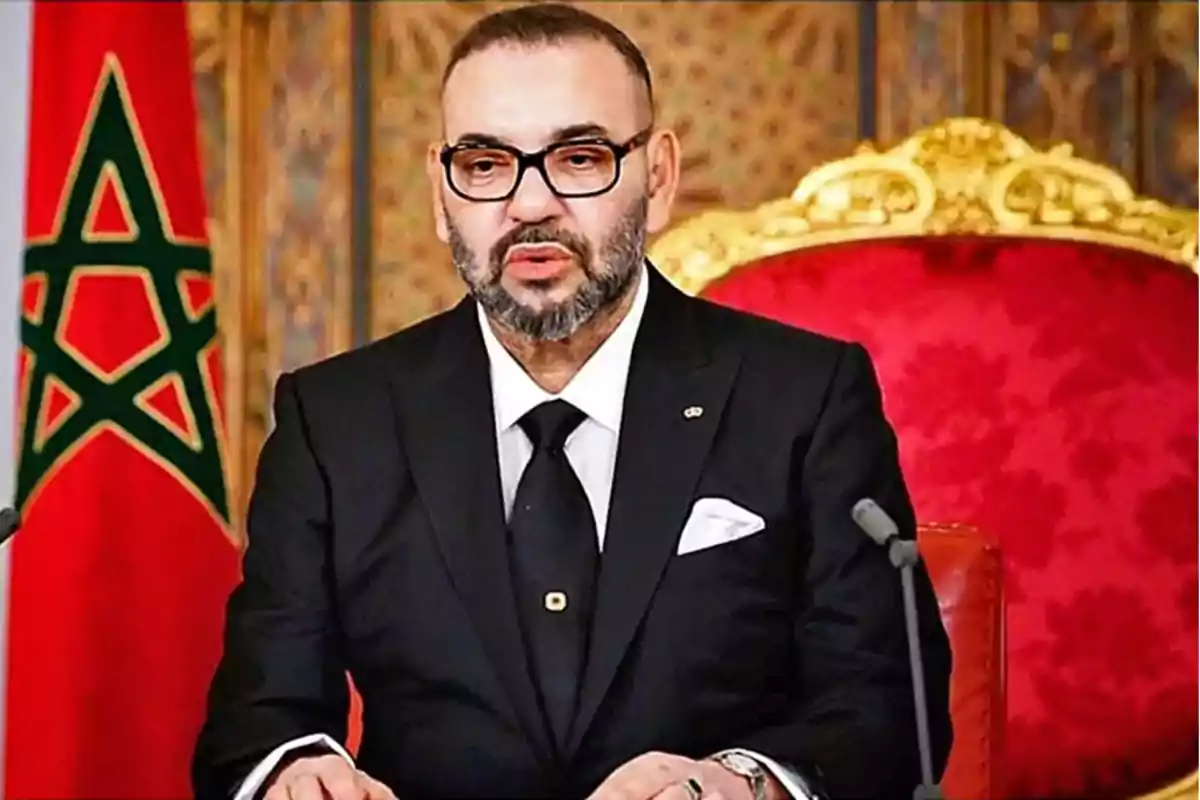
x=1065, y=72
x=216, y=53
x=1167, y=116
x=760, y=92
x=928, y=65
x=1117, y=79
x=273, y=91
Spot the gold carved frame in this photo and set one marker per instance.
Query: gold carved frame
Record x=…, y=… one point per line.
x=962, y=176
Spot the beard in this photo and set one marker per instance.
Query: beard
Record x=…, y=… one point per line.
x=606, y=280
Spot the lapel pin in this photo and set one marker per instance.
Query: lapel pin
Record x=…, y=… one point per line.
x=691, y=412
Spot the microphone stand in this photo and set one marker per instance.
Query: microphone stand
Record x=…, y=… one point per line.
x=904, y=556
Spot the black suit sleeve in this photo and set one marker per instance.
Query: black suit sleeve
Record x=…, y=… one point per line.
x=854, y=722
x=280, y=676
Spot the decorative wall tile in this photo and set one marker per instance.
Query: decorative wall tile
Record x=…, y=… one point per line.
x=1168, y=114
x=928, y=65
x=306, y=198
x=215, y=45
x=1063, y=71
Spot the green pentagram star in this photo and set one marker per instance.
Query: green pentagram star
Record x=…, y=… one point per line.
x=109, y=400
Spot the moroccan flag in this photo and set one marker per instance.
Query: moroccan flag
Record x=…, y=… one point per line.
x=121, y=569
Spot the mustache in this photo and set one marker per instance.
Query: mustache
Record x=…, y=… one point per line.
x=540, y=233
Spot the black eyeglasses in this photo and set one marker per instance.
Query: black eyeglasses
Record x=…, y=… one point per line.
x=574, y=168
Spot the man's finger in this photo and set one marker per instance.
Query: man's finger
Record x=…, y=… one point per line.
x=341, y=782
x=680, y=791
x=305, y=787
x=374, y=789
x=648, y=776
x=674, y=792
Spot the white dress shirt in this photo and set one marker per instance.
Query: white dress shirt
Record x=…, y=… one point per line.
x=598, y=390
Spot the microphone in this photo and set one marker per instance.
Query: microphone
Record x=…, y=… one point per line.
x=874, y=521
x=882, y=530
x=10, y=521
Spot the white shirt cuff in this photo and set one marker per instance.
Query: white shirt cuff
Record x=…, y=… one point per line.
x=792, y=783
x=254, y=780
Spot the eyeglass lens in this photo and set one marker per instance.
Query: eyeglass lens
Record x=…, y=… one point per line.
x=572, y=169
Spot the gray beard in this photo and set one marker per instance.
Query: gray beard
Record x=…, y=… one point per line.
x=622, y=253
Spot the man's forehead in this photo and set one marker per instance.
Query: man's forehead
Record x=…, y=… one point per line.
x=527, y=94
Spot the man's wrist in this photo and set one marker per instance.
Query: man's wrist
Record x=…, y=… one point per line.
x=778, y=781
x=314, y=750
x=748, y=771
x=772, y=789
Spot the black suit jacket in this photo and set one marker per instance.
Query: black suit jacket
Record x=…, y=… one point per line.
x=376, y=546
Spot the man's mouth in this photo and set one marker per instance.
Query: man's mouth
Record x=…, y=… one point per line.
x=537, y=262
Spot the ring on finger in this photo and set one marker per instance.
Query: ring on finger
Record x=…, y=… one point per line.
x=694, y=789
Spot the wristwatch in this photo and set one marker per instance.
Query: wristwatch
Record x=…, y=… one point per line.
x=747, y=768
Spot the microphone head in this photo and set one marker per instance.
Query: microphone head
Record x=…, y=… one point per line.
x=10, y=520
x=874, y=521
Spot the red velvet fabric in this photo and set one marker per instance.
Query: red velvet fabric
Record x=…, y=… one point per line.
x=1044, y=392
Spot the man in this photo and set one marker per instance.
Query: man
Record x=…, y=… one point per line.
x=580, y=535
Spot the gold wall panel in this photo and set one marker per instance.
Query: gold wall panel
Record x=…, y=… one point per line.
x=928, y=65
x=1065, y=71
x=272, y=87
x=1115, y=78
x=216, y=56
x=1168, y=114
x=306, y=199
x=760, y=93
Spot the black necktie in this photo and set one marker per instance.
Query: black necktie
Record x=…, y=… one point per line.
x=552, y=544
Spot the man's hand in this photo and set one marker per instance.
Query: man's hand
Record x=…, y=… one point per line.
x=661, y=776
x=325, y=778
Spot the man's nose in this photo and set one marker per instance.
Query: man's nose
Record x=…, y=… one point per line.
x=533, y=199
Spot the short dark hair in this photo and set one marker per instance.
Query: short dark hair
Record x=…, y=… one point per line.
x=548, y=23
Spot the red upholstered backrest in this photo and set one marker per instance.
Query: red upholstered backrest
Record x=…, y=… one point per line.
x=1046, y=393
x=967, y=577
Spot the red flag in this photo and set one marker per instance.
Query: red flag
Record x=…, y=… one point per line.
x=125, y=557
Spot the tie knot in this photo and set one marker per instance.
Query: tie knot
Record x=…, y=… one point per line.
x=549, y=424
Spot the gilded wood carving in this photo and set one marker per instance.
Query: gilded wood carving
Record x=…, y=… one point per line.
x=961, y=176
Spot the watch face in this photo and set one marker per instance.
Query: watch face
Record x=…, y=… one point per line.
x=742, y=765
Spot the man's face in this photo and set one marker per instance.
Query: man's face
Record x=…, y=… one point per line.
x=538, y=263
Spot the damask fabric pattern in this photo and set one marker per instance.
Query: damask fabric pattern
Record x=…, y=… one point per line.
x=1045, y=393
x=759, y=93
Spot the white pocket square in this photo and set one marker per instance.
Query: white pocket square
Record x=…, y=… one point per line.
x=714, y=521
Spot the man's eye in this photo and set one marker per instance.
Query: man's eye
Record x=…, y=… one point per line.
x=481, y=165
x=583, y=158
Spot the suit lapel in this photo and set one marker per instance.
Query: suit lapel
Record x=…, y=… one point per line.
x=660, y=455
x=448, y=431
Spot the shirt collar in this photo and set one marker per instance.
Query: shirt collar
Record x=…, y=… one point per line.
x=598, y=389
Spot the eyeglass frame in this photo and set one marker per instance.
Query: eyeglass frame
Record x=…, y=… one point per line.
x=537, y=160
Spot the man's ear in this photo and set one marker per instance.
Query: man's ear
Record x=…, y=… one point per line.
x=433, y=170
x=663, y=154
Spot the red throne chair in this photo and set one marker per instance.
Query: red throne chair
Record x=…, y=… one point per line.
x=1034, y=326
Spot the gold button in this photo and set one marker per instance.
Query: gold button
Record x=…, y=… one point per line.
x=555, y=601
